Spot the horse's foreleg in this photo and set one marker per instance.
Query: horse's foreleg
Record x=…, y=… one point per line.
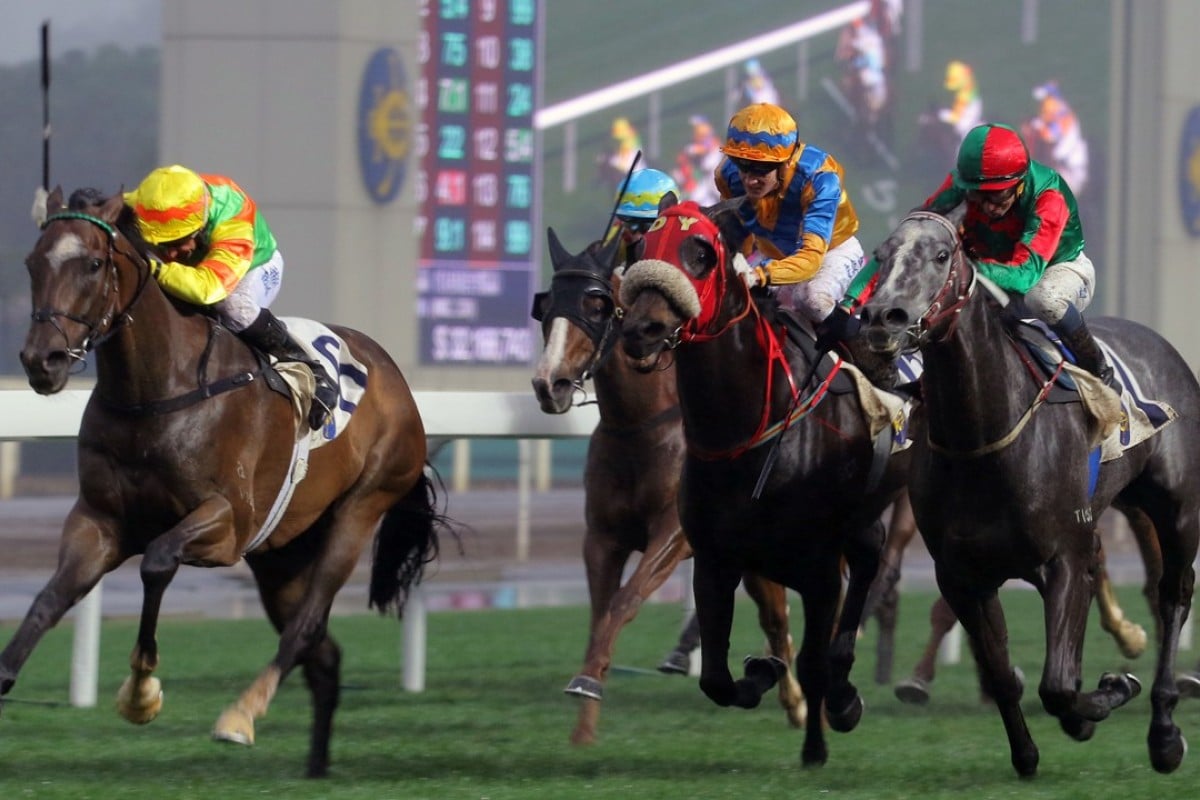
x=843, y=704
x=1129, y=636
x=714, y=584
x=915, y=688
x=612, y=611
x=206, y=535
x=772, y=602
x=820, y=599
x=983, y=621
x=87, y=552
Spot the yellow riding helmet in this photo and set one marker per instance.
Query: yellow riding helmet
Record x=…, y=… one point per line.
x=170, y=204
x=959, y=76
x=761, y=132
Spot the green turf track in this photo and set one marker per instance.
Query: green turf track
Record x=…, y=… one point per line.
x=493, y=722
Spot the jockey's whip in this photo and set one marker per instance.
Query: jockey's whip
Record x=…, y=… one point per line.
x=46, y=105
x=624, y=185
x=773, y=453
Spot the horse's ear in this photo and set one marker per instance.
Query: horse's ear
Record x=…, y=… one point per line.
x=606, y=257
x=46, y=203
x=955, y=215
x=558, y=254
x=110, y=210
x=666, y=201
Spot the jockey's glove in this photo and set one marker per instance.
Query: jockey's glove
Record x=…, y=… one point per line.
x=840, y=326
x=155, y=266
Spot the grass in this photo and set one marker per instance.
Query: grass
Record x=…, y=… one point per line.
x=493, y=722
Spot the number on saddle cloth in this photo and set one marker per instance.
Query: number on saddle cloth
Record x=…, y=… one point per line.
x=325, y=346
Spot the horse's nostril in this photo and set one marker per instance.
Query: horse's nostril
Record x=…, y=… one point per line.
x=896, y=318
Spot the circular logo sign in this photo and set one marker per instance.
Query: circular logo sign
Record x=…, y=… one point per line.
x=1189, y=172
x=384, y=125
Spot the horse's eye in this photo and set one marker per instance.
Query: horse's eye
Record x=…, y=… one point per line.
x=96, y=264
x=597, y=308
x=943, y=256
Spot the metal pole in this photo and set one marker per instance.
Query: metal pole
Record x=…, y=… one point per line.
x=85, y=655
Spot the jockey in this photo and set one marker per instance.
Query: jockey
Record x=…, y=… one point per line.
x=799, y=213
x=697, y=162
x=217, y=252
x=1022, y=229
x=967, y=110
x=649, y=192
x=1057, y=128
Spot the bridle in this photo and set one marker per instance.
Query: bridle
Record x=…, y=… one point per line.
x=582, y=284
x=110, y=321
x=952, y=298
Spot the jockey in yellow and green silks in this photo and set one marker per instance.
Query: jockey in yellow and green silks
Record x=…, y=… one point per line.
x=218, y=252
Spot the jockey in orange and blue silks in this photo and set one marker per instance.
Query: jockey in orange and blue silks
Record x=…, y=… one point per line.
x=217, y=251
x=799, y=213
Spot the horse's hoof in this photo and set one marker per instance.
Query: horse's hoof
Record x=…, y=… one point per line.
x=1167, y=752
x=143, y=707
x=913, y=691
x=848, y=718
x=767, y=668
x=676, y=663
x=234, y=725
x=1127, y=684
x=1188, y=684
x=585, y=687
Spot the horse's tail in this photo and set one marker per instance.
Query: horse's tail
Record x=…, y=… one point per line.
x=406, y=541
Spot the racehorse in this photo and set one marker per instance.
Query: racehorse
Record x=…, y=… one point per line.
x=632, y=472
x=1007, y=486
x=737, y=376
x=182, y=450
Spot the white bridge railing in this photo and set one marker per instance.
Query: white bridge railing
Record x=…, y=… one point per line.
x=25, y=415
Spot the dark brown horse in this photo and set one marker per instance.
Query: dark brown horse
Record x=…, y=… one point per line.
x=632, y=474
x=1007, y=486
x=183, y=450
x=740, y=387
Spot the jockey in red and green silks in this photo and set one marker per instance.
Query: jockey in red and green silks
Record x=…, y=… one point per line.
x=1023, y=231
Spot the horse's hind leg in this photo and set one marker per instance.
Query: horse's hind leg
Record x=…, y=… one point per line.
x=771, y=599
x=884, y=598
x=1129, y=636
x=205, y=535
x=915, y=688
x=87, y=552
x=1179, y=531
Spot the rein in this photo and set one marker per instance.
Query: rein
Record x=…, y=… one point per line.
x=111, y=323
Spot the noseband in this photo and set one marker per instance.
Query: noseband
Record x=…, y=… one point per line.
x=109, y=322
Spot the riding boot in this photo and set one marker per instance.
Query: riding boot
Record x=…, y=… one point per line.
x=269, y=334
x=1087, y=352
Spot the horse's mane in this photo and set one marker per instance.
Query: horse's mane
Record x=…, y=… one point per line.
x=90, y=199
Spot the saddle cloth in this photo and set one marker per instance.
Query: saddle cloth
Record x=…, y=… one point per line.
x=323, y=345
x=1127, y=416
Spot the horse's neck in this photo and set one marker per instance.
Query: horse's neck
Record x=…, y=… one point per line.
x=154, y=353
x=974, y=383
x=723, y=387
x=628, y=398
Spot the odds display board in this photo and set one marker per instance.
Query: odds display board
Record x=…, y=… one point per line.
x=477, y=186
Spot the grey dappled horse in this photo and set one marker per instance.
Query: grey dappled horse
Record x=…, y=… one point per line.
x=1000, y=484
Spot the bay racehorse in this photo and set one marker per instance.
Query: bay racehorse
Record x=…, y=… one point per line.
x=632, y=473
x=1007, y=486
x=739, y=384
x=182, y=452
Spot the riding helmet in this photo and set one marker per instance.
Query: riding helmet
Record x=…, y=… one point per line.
x=991, y=157
x=645, y=191
x=761, y=132
x=170, y=204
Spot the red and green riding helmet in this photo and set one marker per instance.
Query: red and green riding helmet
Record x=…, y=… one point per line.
x=991, y=157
